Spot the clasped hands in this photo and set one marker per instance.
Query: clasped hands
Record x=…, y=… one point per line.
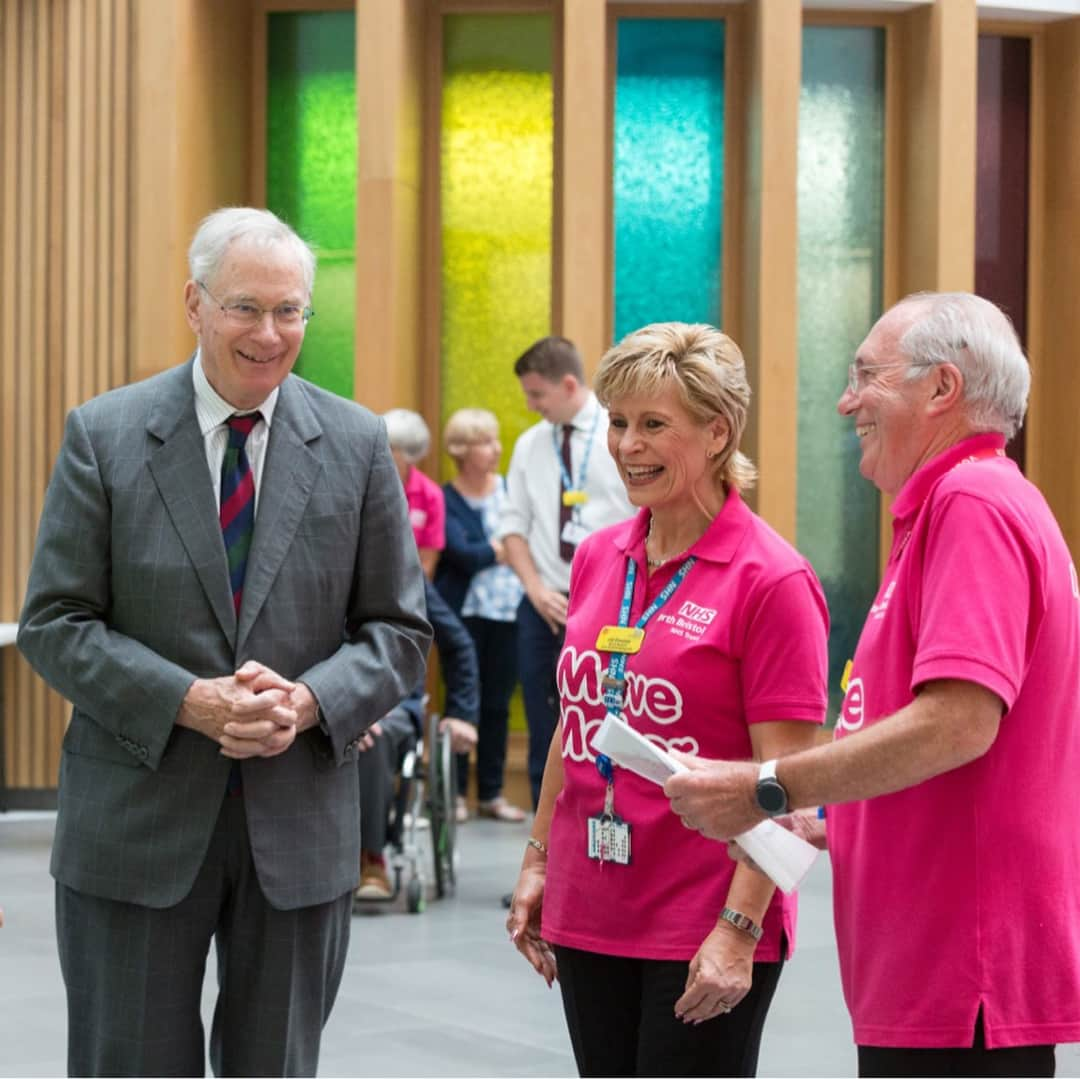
x=252, y=713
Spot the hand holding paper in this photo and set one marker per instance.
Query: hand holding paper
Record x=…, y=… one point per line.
x=782, y=855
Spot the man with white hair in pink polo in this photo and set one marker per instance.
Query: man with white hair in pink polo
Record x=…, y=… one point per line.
x=951, y=814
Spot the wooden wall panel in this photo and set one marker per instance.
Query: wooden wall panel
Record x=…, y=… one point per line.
x=390, y=38
x=938, y=111
x=64, y=141
x=122, y=122
x=1053, y=433
x=584, y=234
x=772, y=44
x=190, y=117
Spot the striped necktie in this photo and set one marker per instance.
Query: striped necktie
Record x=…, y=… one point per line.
x=238, y=501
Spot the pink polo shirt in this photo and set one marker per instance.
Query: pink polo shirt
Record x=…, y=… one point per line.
x=964, y=891
x=741, y=641
x=427, y=510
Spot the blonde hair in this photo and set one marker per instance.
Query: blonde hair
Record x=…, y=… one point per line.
x=468, y=425
x=706, y=367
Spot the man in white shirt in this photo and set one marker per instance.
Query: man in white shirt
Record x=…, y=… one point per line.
x=563, y=484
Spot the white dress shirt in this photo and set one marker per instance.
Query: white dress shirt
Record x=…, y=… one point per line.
x=212, y=412
x=532, y=508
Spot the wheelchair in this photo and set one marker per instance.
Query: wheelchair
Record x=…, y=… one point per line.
x=423, y=825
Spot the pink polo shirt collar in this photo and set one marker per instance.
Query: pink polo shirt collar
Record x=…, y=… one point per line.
x=719, y=543
x=921, y=482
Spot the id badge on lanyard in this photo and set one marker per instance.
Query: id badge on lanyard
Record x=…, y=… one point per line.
x=608, y=836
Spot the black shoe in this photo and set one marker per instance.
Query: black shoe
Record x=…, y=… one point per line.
x=507, y=900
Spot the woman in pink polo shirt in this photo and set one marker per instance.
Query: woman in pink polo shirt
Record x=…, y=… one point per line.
x=666, y=951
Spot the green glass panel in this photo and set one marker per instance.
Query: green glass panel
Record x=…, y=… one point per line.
x=669, y=171
x=496, y=198
x=841, y=210
x=311, y=173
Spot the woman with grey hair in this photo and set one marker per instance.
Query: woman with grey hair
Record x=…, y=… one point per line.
x=705, y=631
x=484, y=591
x=410, y=441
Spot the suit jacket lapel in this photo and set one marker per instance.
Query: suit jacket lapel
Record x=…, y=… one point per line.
x=179, y=469
x=289, y=474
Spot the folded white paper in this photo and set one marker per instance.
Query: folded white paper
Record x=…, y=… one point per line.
x=632, y=750
x=783, y=856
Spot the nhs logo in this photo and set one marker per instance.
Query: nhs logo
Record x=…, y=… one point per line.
x=705, y=615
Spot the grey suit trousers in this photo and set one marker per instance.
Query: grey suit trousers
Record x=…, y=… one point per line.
x=134, y=974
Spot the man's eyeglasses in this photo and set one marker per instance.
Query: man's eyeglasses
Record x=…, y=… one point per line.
x=245, y=313
x=859, y=374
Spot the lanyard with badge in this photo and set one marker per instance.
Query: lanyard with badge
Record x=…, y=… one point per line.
x=574, y=494
x=609, y=835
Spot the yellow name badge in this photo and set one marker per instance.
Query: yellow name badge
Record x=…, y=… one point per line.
x=574, y=498
x=620, y=639
x=845, y=677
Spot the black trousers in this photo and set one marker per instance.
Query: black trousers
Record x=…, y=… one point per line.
x=1035, y=1060
x=621, y=1017
x=377, y=770
x=496, y=651
x=134, y=974
x=538, y=657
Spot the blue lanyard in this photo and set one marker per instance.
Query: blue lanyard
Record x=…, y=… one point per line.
x=583, y=471
x=615, y=679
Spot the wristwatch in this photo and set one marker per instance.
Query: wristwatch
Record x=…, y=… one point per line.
x=770, y=795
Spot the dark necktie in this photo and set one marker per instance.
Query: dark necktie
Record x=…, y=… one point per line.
x=238, y=502
x=566, y=513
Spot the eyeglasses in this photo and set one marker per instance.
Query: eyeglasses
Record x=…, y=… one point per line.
x=245, y=313
x=858, y=377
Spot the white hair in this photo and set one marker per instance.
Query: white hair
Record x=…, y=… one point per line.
x=978, y=337
x=408, y=433
x=260, y=228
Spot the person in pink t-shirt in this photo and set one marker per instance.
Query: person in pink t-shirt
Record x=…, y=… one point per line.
x=950, y=784
x=667, y=953
x=410, y=441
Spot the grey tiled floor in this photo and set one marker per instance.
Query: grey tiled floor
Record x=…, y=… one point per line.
x=440, y=993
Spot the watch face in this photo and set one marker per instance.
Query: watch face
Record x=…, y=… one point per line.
x=771, y=797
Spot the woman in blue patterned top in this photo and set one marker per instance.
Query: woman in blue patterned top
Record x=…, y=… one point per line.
x=474, y=580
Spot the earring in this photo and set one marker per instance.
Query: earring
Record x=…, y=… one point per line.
x=709, y=454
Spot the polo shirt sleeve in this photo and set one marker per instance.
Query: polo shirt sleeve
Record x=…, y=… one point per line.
x=435, y=529
x=978, y=592
x=515, y=518
x=785, y=658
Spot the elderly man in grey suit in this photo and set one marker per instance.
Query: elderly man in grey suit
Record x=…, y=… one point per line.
x=226, y=588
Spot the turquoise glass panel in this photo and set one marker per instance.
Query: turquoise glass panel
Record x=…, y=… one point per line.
x=311, y=173
x=496, y=170
x=668, y=171
x=841, y=213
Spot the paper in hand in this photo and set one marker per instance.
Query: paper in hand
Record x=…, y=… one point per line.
x=783, y=856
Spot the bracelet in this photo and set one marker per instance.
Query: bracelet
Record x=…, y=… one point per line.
x=539, y=844
x=742, y=922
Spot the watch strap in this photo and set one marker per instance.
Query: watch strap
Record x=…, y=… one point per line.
x=742, y=922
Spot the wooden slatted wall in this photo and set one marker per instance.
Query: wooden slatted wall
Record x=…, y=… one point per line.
x=65, y=118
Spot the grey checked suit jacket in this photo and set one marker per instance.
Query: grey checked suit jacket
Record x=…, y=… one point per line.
x=128, y=602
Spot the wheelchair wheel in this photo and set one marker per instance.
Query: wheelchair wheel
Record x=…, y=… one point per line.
x=443, y=790
x=414, y=896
